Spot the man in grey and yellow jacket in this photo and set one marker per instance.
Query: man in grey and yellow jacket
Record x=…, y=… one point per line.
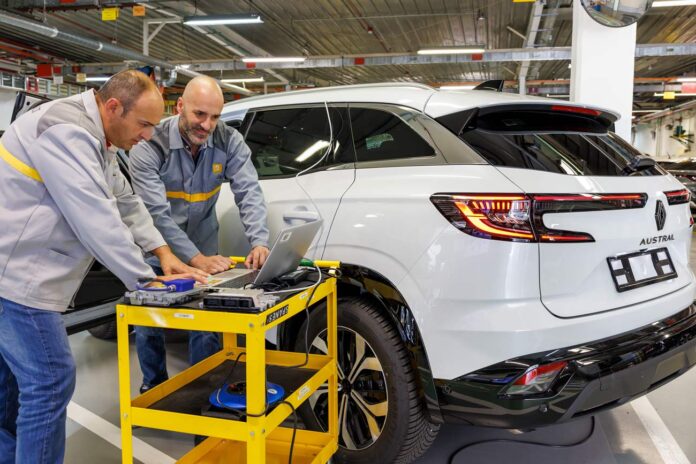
x=63, y=202
x=179, y=173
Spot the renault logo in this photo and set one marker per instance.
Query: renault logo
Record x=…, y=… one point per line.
x=660, y=215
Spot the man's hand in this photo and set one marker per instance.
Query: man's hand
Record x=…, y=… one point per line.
x=211, y=264
x=257, y=256
x=170, y=264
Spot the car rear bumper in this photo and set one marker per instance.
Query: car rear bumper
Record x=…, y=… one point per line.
x=600, y=375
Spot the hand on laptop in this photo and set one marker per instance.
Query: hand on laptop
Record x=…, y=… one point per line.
x=257, y=256
x=211, y=264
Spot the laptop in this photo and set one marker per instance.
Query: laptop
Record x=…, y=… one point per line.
x=289, y=248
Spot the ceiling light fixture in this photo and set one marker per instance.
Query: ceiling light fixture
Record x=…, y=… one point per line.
x=243, y=80
x=686, y=79
x=450, y=51
x=97, y=79
x=670, y=3
x=275, y=59
x=217, y=20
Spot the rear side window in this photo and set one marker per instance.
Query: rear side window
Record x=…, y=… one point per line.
x=284, y=142
x=560, y=143
x=379, y=135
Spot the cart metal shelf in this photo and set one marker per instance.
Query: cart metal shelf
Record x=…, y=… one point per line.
x=175, y=405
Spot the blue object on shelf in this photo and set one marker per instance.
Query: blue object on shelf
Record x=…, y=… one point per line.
x=233, y=395
x=181, y=285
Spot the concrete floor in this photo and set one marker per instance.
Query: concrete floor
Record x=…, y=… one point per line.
x=652, y=430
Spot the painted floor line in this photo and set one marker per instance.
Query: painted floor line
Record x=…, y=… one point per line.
x=142, y=451
x=663, y=439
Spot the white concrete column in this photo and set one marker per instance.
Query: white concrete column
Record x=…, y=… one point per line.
x=602, y=66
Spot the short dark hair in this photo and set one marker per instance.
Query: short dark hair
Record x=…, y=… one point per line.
x=126, y=86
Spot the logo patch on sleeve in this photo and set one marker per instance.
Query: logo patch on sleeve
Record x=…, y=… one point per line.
x=217, y=168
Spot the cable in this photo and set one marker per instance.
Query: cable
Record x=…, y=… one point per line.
x=306, y=361
x=531, y=443
x=307, y=315
x=294, y=429
x=326, y=152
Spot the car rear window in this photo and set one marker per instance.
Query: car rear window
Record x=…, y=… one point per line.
x=569, y=144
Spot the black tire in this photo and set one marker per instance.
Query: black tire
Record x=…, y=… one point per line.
x=106, y=331
x=404, y=432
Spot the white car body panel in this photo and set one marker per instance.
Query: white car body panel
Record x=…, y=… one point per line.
x=477, y=302
x=575, y=277
x=287, y=205
x=386, y=220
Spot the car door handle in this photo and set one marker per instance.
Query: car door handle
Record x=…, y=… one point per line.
x=302, y=215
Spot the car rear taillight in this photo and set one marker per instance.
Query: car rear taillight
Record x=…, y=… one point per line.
x=677, y=197
x=500, y=217
x=519, y=218
x=536, y=379
x=564, y=203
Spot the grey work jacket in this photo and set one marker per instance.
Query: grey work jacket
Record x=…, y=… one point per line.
x=181, y=194
x=63, y=201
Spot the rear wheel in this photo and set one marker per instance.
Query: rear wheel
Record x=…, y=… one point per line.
x=380, y=414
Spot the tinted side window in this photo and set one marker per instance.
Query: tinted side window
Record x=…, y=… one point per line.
x=288, y=141
x=379, y=135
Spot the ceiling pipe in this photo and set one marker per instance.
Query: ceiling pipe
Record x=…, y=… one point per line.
x=55, y=33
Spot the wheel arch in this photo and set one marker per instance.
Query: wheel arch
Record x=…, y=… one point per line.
x=359, y=281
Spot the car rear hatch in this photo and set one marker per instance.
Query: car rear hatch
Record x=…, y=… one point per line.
x=612, y=228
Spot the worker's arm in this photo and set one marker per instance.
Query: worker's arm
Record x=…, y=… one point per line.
x=144, y=165
x=248, y=197
x=70, y=163
x=139, y=221
x=135, y=215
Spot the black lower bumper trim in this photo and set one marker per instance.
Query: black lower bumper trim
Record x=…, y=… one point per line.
x=600, y=375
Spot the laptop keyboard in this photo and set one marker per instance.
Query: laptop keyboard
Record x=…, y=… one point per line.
x=238, y=282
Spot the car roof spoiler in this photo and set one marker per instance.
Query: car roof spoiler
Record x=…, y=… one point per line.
x=495, y=85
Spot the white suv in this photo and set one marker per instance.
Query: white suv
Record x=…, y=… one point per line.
x=508, y=261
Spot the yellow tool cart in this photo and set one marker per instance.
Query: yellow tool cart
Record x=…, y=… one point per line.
x=176, y=404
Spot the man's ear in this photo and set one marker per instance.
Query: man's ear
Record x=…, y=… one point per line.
x=179, y=105
x=114, y=107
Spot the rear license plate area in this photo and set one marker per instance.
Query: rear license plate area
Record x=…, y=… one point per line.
x=634, y=270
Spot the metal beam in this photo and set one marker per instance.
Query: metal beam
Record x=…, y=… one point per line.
x=391, y=59
x=532, y=28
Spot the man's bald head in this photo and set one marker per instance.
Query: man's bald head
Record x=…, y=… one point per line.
x=203, y=87
x=199, y=109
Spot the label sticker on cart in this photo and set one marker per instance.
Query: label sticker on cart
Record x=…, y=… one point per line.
x=183, y=316
x=303, y=392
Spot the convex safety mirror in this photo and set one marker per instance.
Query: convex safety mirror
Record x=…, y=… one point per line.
x=616, y=13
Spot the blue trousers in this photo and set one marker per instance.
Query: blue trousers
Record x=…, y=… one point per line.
x=37, y=372
x=152, y=354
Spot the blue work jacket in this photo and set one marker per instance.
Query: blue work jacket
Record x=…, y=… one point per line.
x=181, y=192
